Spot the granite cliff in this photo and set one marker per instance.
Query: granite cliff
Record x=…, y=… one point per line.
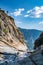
x=11, y=39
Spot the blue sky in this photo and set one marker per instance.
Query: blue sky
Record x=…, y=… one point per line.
x=26, y=13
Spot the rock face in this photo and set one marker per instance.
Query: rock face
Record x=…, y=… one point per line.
x=11, y=39
x=13, y=50
x=39, y=41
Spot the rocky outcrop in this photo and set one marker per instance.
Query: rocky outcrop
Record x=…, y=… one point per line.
x=11, y=39
x=12, y=46
x=39, y=41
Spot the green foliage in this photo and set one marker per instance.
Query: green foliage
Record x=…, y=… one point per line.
x=5, y=31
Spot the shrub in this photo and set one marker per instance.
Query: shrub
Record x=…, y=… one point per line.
x=5, y=31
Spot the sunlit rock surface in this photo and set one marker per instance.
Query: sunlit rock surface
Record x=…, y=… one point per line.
x=12, y=45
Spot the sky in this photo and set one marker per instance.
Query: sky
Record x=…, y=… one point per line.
x=27, y=14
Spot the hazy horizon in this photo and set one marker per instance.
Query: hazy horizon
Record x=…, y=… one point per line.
x=30, y=29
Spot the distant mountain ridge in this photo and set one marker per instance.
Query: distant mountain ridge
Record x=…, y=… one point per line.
x=30, y=35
